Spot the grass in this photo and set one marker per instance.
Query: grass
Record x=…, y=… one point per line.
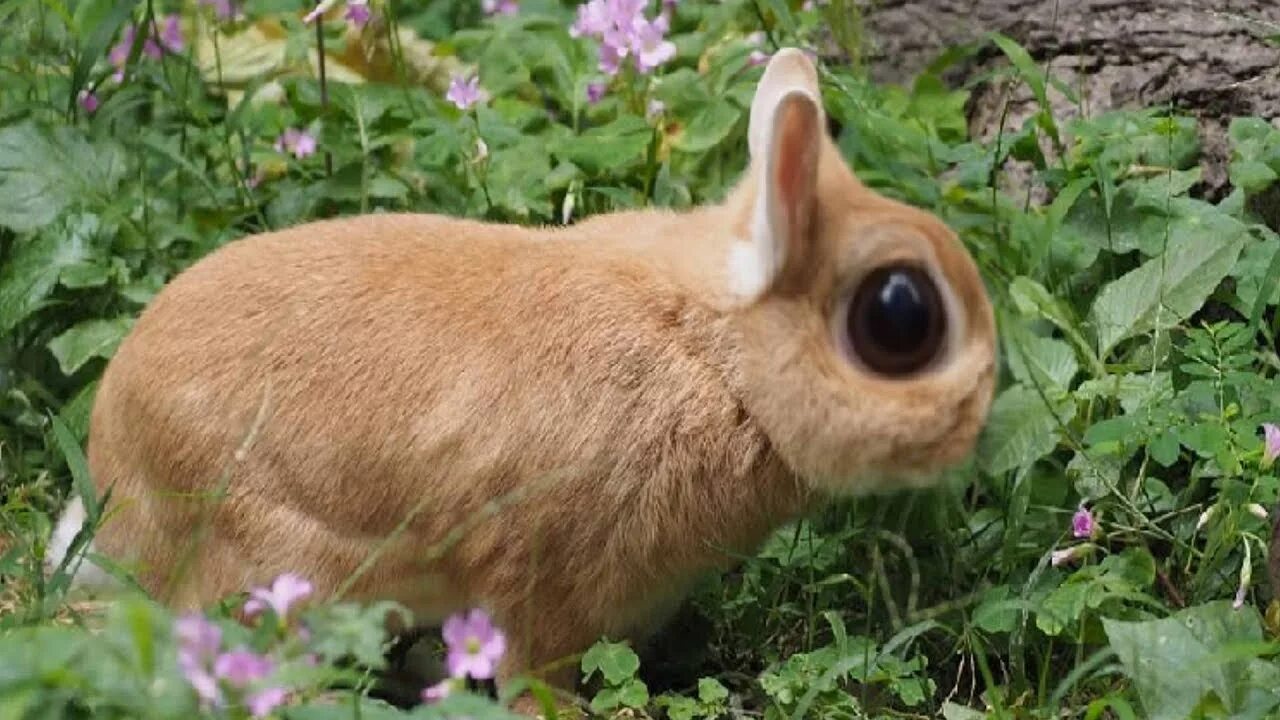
x=1138, y=339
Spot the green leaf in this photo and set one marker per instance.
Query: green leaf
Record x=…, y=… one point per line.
x=615, y=661
x=1164, y=291
x=44, y=171
x=708, y=128
x=69, y=445
x=609, y=148
x=1251, y=175
x=1021, y=429
x=1176, y=662
x=32, y=271
x=1040, y=360
x=711, y=692
x=349, y=630
x=87, y=340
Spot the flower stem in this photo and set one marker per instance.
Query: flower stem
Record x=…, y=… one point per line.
x=324, y=88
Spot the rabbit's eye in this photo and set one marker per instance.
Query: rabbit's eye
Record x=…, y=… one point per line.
x=895, y=321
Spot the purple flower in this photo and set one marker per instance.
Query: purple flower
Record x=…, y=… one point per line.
x=318, y=11
x=120, y=52
x=88, y=101
x=1271, y=448
x=595, y=91
x=169, y=38
x=475, y=645
x=358, y=13
x=500, y=7
x=439, y=691
x=465, y=92
x=623, y=31
x=1082, y=524
x=198, y=643
x=241, y=667
x=261, y=703
x=171, y=35
x=222, y=8
x=593, y=19
x=611, y=57
x=288, y=588
x=650, y=47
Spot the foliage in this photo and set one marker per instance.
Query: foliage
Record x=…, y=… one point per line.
x=1137, y=308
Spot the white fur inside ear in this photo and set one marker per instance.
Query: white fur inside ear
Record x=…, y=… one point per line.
x=754, y=261
x=748, y=272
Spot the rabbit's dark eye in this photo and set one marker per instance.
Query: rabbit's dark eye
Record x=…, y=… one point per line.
x=896, y=322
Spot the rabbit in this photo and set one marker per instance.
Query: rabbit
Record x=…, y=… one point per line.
x=566, y=427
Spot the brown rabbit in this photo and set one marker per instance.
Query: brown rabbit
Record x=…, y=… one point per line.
x=643, y=394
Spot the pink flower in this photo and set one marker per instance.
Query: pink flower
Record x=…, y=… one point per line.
x=595, y=91
x=623, y=31
x=593, y=19
x=500, y=7
x=169, y=39
x=301, y=144
x=465, y=92
x=261, y=703
x=475, y=645
x=758, y=57
x=1240, y=596
x=171, y=34
x=288, y=588
x=1271, y=448
x=611, y=57
x=358, y=13
x=88, y=101
x=241, y=667
x=222, y=8
x=198, y=643
x=439, y=691
x=650, y=48
x=1082, y=524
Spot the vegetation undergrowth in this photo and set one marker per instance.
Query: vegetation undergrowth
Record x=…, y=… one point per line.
x=1103, y=553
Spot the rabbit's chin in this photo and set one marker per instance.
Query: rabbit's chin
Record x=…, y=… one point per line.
x=877, y=482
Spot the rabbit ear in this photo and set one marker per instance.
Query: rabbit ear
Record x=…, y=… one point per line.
x=785, y=136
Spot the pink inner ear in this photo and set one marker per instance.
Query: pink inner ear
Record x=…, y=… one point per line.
x=794, y=176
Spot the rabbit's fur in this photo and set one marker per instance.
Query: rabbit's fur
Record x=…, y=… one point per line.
x=571, y=423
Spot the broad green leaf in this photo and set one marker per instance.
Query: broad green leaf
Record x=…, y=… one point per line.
x=44, y=171
x=1022, y=429
x=1039, y=360
x=1251, y=176
x=710, y=691
x=32, y=271
x=87, y=340
x=615, y=661
x=611, y=147
x=708, y=128
x=1175, y=662
x=1134, y=391
x=1164, y=291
